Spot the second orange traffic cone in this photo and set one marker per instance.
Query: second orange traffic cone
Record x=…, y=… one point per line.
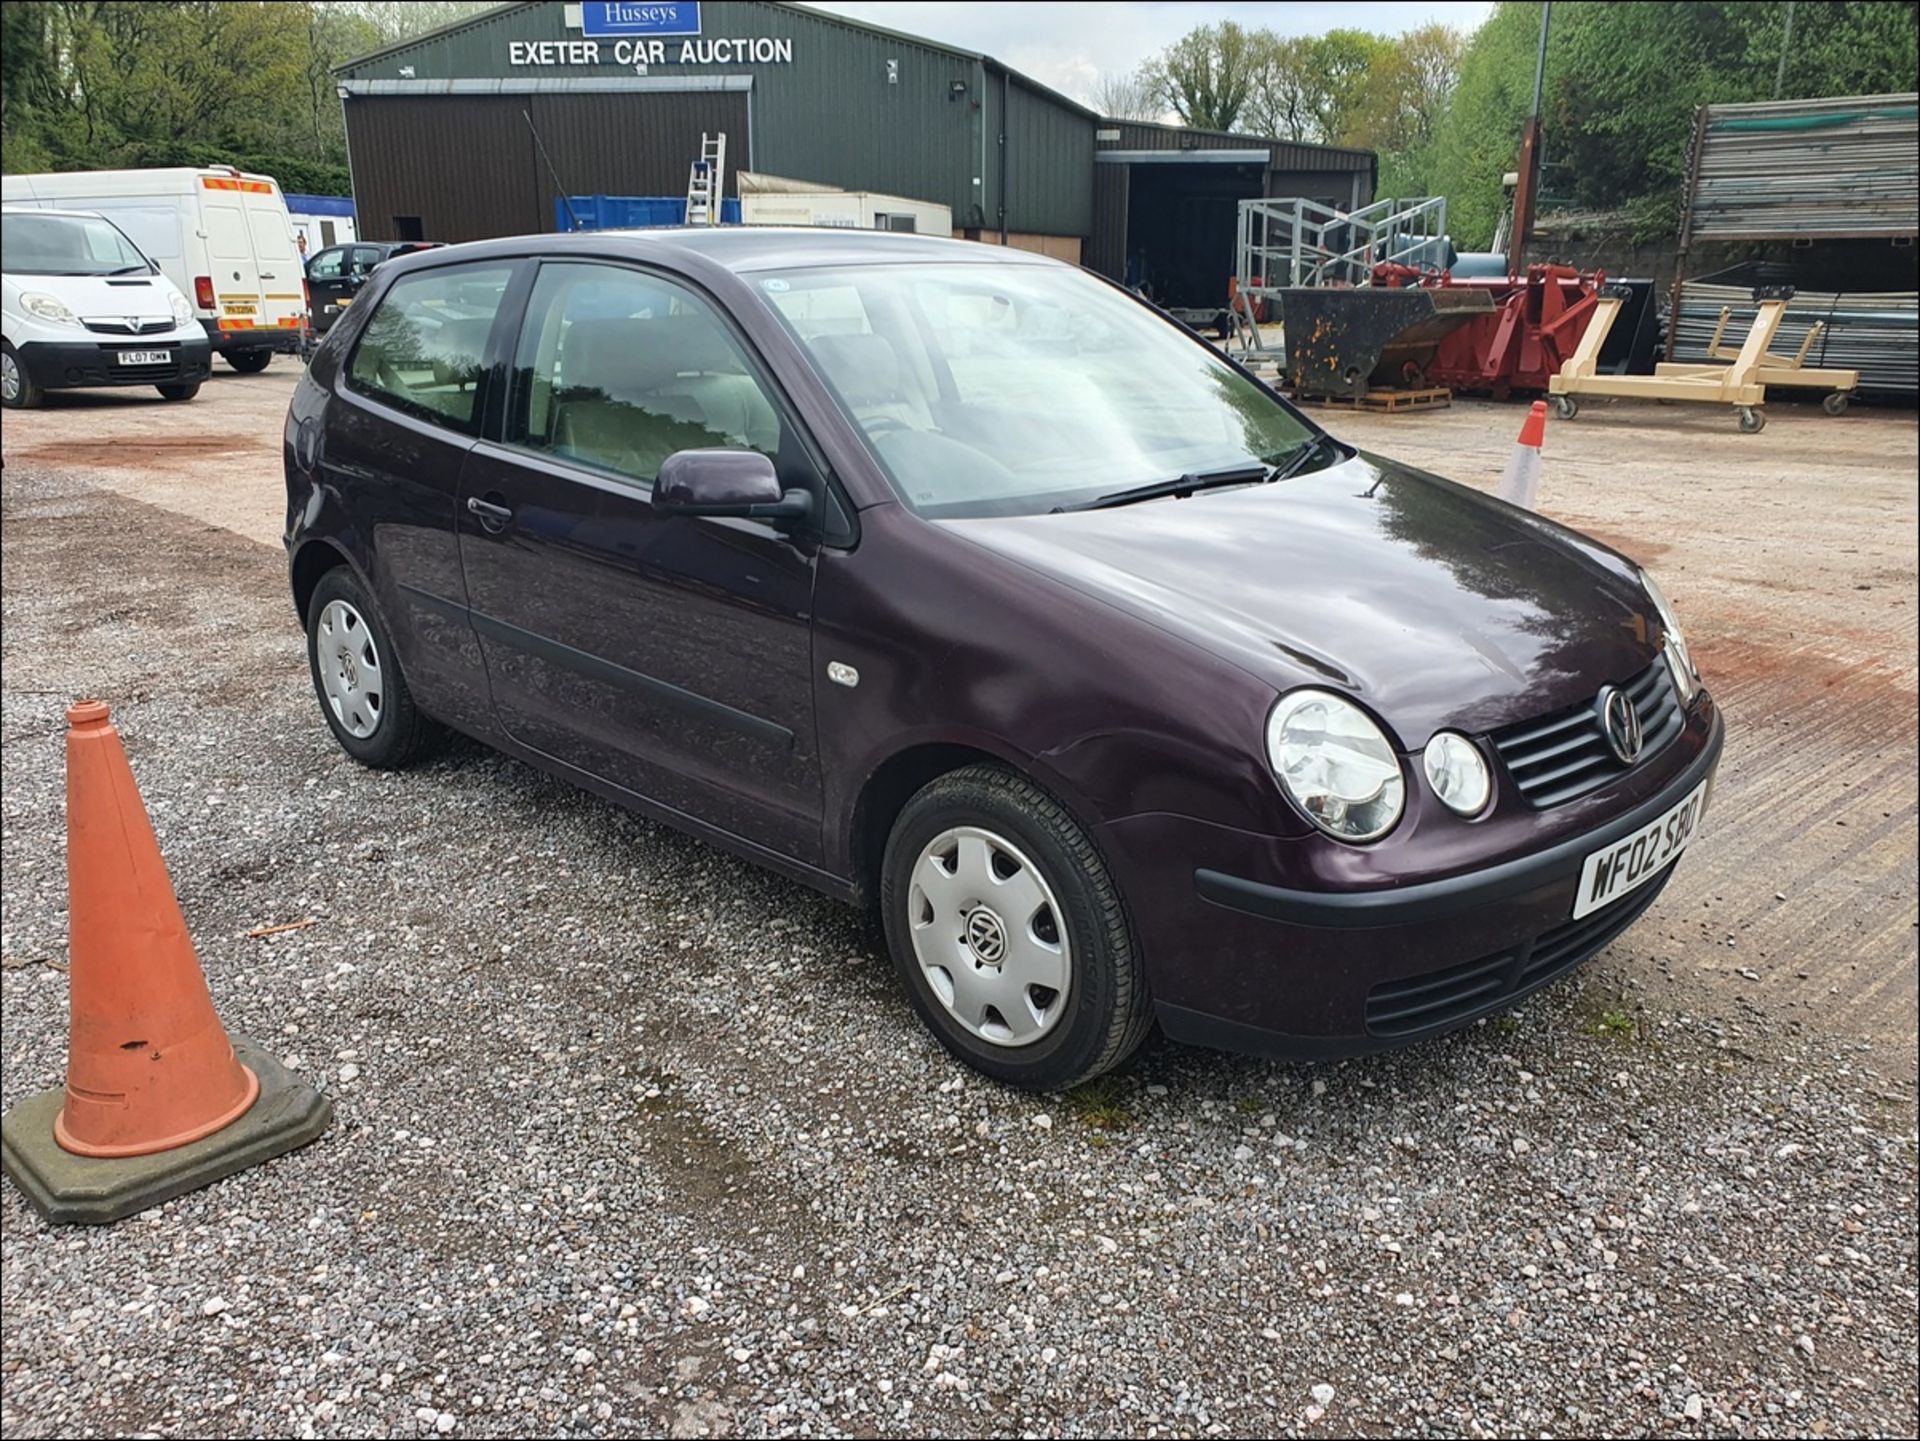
x=1520, y=484
x=149, y=1065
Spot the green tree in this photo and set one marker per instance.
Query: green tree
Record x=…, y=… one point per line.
x=1206, y=76
x=1622, y=85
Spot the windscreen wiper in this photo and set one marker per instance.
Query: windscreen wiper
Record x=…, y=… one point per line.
x=1179, y=485
x=1304, y=452
x=131, y=270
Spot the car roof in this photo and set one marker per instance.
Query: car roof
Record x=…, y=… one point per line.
x=755, y=247
x=50, y=210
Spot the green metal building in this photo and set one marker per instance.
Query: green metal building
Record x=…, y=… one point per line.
x=472, y=130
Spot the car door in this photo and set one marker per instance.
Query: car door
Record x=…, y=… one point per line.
x=327, y=285
x=667, y=655
x=406, y=409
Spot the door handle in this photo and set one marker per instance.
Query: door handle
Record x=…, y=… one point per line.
x=492, y=517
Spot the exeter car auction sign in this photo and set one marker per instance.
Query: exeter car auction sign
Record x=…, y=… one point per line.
x=636, y=33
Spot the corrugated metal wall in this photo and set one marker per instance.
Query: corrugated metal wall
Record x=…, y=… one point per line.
x=1049, y=165
x=856, y=108
x=466, y=165
x=1106, y=249
x=1284, y=155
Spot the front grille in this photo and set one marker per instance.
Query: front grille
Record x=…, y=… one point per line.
x=1439, y=999
x=123, y=327
x=1566, y=755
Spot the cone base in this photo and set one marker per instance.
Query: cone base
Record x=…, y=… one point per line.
x=85, y=1190
x=249, y=1093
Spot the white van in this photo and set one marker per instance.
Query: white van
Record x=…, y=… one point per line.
x=80, y=305
x=222, y=236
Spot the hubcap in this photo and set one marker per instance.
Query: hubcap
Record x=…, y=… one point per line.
x=349, y=669
x=9, y=377
x=989, y=937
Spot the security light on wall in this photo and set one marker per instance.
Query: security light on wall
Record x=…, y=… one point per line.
x=956, y=89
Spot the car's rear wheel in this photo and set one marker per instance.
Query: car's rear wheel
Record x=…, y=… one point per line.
x=185, y=391
x=249, y=362
x=17, y=390
x=357, y=676
x=1009, y=933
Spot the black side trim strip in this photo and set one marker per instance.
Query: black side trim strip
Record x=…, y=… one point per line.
x=660, y=691
x=1352, y=910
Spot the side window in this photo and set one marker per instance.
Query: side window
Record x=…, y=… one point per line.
x=617, y=369
x=326, y=265
x=363, y=259
x=422, y=350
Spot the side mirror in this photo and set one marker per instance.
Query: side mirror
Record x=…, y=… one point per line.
x=726, y=482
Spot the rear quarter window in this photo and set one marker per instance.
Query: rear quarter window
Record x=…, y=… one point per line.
x=422, y=351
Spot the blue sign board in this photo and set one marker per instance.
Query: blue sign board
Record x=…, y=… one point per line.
x=640, y=17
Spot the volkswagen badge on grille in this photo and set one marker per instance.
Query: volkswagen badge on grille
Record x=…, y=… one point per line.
x=1620, y=722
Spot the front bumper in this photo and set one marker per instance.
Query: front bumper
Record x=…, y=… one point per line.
x=68, y=365
x=1247, y=965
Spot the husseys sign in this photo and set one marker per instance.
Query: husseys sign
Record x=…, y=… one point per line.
x=641, y=33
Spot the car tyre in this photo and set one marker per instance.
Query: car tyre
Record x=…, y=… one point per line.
x=17, y=390
x=1104, y=1010
x=179, y=392
x=249, y=362
x=357, y=677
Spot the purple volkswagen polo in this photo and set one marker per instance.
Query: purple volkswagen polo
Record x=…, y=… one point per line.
x=959, y=584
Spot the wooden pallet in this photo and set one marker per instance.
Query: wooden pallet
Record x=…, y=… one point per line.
x=1433, y=398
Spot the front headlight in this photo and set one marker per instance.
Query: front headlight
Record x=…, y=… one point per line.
x=1458, y=773
x=47, y=307
x=182, y=312
x=1679, y=659
x=1336, y=764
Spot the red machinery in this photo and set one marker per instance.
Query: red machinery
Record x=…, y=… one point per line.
x=1530, y=329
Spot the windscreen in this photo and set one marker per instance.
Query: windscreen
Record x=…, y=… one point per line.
x=1011, y=389
x=65, y=245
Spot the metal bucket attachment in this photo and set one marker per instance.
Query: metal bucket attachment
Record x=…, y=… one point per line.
x=1341, y=342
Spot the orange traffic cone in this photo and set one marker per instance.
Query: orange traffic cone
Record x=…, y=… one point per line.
x=1520, y=483
x=157, y=1100
x=149, y=1066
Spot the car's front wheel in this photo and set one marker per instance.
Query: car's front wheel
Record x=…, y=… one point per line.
x=357, y=676
x=17, y=390
x=1009, y=933
x=183, y=391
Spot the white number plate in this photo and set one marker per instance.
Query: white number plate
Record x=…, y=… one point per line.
x=144, y=357
x=1634, y=860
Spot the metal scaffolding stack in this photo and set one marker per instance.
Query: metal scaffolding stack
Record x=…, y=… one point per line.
x=1877, y=334
x=1806, y=172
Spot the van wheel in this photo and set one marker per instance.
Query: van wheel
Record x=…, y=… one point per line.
x=17, y=390
x=357, y=676
x=1009, y=934
x=249, y=362
x=179, y=392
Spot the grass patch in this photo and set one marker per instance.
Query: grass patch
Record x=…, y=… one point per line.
x=1097, y=1104
x=1250, y=1105
x=1614, y=1026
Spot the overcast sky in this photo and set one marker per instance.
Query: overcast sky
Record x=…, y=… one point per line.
x=1069, y=45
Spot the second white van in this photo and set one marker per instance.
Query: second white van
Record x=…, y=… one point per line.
x=221, y=235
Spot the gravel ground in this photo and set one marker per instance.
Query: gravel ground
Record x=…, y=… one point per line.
x=632, y=1137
